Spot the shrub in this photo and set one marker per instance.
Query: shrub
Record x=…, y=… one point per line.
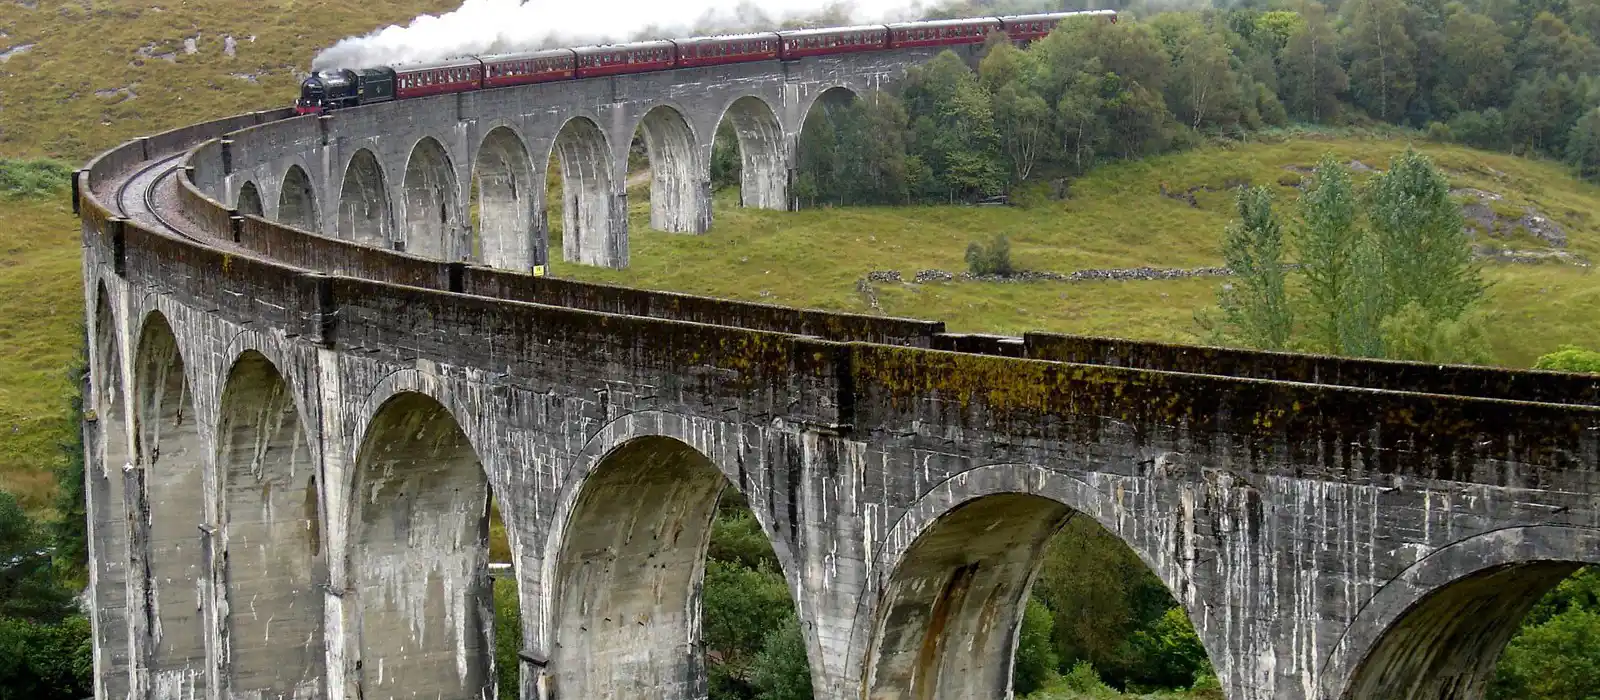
x=1570, y=358
x=1290, y=179
x=1439, y=132
x=33, y=178
x=46, y=661
x=993, y=258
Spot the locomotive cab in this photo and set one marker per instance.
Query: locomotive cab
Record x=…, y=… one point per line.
x=325, y=90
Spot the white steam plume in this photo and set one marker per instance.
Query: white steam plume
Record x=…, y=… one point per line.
x=501, y=26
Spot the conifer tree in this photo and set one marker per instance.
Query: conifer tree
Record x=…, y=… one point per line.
x=1255, y=305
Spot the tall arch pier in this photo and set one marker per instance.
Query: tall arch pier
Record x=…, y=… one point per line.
x=308, y=393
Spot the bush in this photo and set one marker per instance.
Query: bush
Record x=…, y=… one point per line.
x=1439, y=132
x=1290, y=179
x=46, y=661
x=993, y=258
x=33, y=178
x=1036, y=660
x=1570, y=358
x=1484, y=129
x=507, y=638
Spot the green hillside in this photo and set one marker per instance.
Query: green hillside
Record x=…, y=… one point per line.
x=92, y=75
x=1115, y=217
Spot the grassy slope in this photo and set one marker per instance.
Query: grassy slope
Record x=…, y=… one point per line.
x=49, y=107
x=1116, y=217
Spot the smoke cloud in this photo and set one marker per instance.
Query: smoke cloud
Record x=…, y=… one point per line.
x=502, y=26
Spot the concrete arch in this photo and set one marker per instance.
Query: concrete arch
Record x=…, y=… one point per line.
x=272, y=522
x=1437, y=630
x=297, y=201
x=764, y=167
x=432, y=224
x=628, y=573
x=680, y=175
x=249, y=200
x=419, y=555
x=507, y=236
x=364, y=212
x=948, y=570
x=171, y=459
x=831, y=97
x=108, y=511
x=594, y=216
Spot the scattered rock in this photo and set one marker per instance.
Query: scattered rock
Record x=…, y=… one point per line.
x=230, y=46
x=864, y=288
x=151, y=51
x=1188, y=194
x=1482, y=218
x=1528, y=257
x=17, y=50
x=127, y=93
x=29, y=4
x=1357, y=166
x=247, y=77
x=883, y=276
x=933, y=276
x=191, y=45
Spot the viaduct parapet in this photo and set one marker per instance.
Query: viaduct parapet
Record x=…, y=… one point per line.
x=308, y=382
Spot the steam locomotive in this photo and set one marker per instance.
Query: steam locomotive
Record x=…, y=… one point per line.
x=335, y=89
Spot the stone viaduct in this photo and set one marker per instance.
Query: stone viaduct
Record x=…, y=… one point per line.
x=295, y=430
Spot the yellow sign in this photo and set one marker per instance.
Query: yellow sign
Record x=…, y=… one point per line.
x=538, y=270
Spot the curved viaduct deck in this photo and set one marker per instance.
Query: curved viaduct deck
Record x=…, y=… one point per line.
x=293, y=440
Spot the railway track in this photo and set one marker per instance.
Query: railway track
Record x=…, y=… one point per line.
x=137, y=195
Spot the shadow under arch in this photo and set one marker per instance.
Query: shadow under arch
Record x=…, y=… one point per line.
x=504, y=235
x=272, y=521
x=1436, y=631
x=816, y=144
x=171, y=459
x=364, y=212
x=297, y=202
x=432, y=222
x=249, y=200
x=763, y=165
x=419, y=555
x=108, y=541
x=594, y=221
x=626, y=561
x=959, y=565
x=680, y=175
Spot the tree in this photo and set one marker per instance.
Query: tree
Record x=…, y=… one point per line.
x=1036, y=660
x=1382, y=57
x=1422, y=239
x=1476, y=66
x=1583, y=145
x=1177, y=658
x=28, y=586
x=1202, y=87
x=1326, y=245
x=1571, y=358
x=1551, y=46
x=1255, y=305
x=1312, y=78
x=1559, y=658
x=1023, y=119
x=953, y=127
x=781, y=671
x=741, y=606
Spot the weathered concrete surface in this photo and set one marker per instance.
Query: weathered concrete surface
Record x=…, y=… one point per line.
x=1333, y=536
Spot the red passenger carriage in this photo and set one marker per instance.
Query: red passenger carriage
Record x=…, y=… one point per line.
x=1031, y=27
x=714, y=50
x=626, y=58
x=456, y=75
x=947, y=32
x=531, y=67
x=821, y=42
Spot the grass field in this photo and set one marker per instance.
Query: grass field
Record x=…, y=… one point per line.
x=1115, y=217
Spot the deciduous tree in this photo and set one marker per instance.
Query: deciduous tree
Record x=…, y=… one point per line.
x=1255, y=304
